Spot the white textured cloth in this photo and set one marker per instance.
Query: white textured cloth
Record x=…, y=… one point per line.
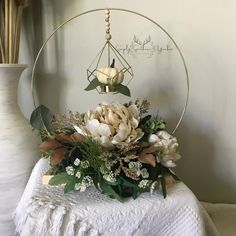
x=47, y=211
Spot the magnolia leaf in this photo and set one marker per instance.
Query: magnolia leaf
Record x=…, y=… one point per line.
x=123, y=90
x=147, y=158
x=58, y=179
x=163, y=186
x=58, y=155
x=106, y=188
x=41, y=118
x=93, y=84
x=128, y=184
x=49, y=145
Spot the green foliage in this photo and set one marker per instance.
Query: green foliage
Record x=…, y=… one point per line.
x=41, y=119
x=163, y=186
x=93, y=84
x=106, y=188
x=144, y=120
x=64, y=178
x=129, y=188
x=91, y=151
x=120, y=88
x=60, y=178
x=61, y=167
x=151, y=126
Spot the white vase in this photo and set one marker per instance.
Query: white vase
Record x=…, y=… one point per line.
x=17, y=146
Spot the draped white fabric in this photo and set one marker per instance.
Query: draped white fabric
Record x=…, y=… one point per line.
x=45, y=210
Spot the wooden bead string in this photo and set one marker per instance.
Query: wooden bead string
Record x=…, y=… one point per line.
x=107, y=22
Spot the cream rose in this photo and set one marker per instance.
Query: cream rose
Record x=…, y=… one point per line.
x=114, y=124
x=167, y=145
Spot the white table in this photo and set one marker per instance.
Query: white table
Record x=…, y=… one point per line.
x=46, y=211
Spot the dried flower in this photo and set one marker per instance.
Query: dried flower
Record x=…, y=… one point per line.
x=144, y=173
x=67, y=121
x=114, y=124
x=131, y=173
x=143, y=106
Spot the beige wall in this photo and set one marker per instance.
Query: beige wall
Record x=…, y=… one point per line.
x=206, y=33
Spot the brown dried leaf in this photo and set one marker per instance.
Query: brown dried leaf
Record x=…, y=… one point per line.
x=130, y=173
x=49, y=145
x=147, y=159
x=150, y=149
x=65, y=138
x=76, y=137
x=58, y=155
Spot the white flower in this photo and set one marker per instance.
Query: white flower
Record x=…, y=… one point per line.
x=84, y=164
x=169, y=159
x=79, y=130
x=167, y=145
x=77, y=186
x=110, y=177
x=144, y=173
x=87, y=181
x=76, y=162
x=154, y=186
x=70, y=170
x=153, y=139
x=114, y=124
x=78, y=174
x=80, y=187
x=144, y=183
x=132, y=165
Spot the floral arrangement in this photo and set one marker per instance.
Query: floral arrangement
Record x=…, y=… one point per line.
x=118, y=148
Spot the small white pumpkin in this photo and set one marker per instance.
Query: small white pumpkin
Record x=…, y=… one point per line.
x=108, y=75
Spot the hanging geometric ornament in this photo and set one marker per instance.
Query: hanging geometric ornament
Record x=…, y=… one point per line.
x=109, y=69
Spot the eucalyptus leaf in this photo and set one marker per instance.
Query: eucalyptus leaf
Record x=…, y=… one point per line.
x=59, y=179
x=123, y=90
x=93, y=84
x=70, y=185
x=41, y=118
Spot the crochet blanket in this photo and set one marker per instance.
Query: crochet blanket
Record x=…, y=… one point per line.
x=47, y=211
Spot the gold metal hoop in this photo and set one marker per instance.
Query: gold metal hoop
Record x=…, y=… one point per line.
x=123, y=10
